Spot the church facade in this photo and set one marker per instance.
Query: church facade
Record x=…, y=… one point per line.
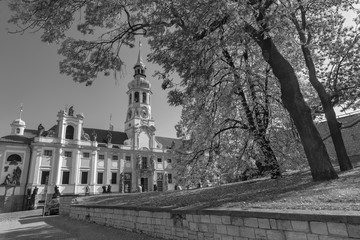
x=78, y=160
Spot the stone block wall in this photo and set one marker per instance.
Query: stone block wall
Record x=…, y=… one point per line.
x=223, y=224
x=65, y=202
x=350, y=131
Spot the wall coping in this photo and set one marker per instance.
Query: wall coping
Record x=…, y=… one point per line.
x=352, y=217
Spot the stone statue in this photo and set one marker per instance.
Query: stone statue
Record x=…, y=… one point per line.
x=56, y=192
x=109, y=189
x=94, y=136
x=109, y=137
x=87, y=190
x=152, y=162
x=28, y=199
x=84, y=135
x=7, y=180
x=40, y=130
x=35, y=192
x=104, y=189
x=34, y=198
x=138, y=162
x=16, y=176
x=71, y=111
x=121, y=187
x=51, y=133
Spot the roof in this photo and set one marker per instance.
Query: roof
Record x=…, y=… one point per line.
x=116, y=137
x=101, y=137
x=169, y=143
x=16, y=139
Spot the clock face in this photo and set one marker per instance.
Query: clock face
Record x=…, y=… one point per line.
x=144, y=112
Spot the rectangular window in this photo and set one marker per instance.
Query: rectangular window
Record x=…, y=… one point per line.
x=115, y=157
x=65, y=177
x=84, y=177
x=100, y=177
x=101, y=156
x=44, y=177
x=128, y=158
x=169, y=160
x=159, y=160
x=86, y=155
x=67, y=154
x=169, y=178
x=48, y=153
x=113, y=178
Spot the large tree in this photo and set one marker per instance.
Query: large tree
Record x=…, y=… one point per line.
x=304, y=15
x=171, y=25
x=228, y=100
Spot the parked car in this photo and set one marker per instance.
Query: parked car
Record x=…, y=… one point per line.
x=52, y=207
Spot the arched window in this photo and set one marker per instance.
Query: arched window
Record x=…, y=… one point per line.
x=130, y=96
x=136, y=98
x=144, y=97
x=69, y=132
x=14, y=157
x=17, y=130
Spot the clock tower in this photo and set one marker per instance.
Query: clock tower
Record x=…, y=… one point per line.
x=139, y=124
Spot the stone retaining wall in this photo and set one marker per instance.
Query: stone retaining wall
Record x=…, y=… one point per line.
x=224, y=224
x=65, y=202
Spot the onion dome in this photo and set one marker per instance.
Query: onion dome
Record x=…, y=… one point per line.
x=18, y=122
x=139, y=83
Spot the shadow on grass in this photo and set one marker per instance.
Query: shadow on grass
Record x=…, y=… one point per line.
x=34, y=227
x=290, y=189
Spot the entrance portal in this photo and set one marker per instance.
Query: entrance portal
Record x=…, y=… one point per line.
x=144, y=184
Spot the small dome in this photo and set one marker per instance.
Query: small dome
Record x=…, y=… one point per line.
x=18, y=122
x=139, y=83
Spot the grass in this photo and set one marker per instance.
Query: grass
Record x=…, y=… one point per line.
x=295, y=190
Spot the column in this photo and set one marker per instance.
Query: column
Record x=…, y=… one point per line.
x=34, y=167
x=75, y=169
x=56, y=168
x=93, y=167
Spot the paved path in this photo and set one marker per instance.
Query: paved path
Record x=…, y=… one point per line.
x=31, y=225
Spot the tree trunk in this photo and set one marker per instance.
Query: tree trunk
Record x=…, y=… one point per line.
x=317, y=156
x=257, y=130
x=270, y=164
x=342, y=156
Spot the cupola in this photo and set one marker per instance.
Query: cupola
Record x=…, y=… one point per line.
x=18, y=125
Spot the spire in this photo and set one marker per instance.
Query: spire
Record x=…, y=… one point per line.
x=21, y=109
x=139, y=60
x=139, y=66
x=111, y=127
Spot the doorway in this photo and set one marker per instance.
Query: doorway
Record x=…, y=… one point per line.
x=144, y=184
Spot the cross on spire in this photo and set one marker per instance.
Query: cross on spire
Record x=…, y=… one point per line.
x=20, y=111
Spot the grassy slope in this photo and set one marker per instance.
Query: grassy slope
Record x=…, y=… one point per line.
x=294, y=191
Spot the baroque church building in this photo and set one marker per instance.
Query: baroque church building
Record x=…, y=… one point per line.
x=79, y=160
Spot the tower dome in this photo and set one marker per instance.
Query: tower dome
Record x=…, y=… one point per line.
x=139, y=82
x=18, y=125
x=18, y=122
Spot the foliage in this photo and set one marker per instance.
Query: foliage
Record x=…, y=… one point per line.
x=204, y=42
x=337, y=51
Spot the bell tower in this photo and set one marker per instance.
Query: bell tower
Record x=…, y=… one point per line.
x=138, y=117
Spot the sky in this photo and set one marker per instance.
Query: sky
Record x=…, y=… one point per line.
x=29, y=75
